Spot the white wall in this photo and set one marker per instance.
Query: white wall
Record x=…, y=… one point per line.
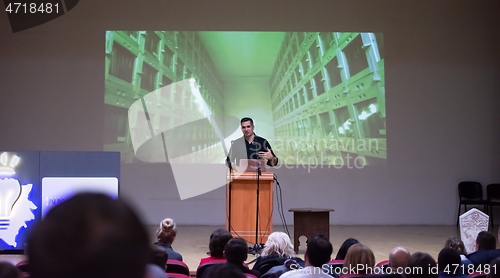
x=442, y=98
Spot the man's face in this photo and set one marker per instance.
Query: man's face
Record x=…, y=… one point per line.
x=247, y=128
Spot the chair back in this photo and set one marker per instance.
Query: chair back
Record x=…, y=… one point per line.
x=477, y=275
x=353, y=276
x=270, y=263
x=174, y=266
x=203, y=267
x=470, y=190
x=335, y=267
x=493, y=192
x=23, y=266
x=383, y=265
x=177, y=275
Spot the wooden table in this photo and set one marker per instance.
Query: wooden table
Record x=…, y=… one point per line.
x=309, y=222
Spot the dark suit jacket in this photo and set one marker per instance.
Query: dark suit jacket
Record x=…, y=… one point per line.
x=167, y=248
x=483, y=256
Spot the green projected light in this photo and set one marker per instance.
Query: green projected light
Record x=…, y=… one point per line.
x=320, y=95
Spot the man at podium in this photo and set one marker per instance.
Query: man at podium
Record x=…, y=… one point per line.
x=250, y=146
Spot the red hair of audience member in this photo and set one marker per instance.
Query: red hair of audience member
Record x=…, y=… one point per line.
x=359, y=254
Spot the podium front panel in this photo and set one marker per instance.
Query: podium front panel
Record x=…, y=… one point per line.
x=243, y=209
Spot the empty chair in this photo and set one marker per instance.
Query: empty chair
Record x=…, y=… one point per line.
x=493, y=198
x=174, y=266
x=470, y=193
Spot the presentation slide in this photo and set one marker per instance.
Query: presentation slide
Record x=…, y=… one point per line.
x=176, y=94
x=56, y=190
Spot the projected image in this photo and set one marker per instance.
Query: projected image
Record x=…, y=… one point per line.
x=321, y=93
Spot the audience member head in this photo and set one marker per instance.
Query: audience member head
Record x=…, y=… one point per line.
x=236, y=251
x=225, y=270
x=319, y=251
x=158, y=257
x=7, y=270
x=447, y=258
x=218, y=241
x=421, y=261
x=344, y=247
x=359, y=254
x=278, y=243
x=167, y=231
x=89, y=235
x=485, y=241
x=455, y=244
x=398, y=258
x=494, y=264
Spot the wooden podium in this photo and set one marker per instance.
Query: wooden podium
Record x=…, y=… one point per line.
x=241, y=206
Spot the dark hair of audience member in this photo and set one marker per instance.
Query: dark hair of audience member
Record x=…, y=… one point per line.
x=421, y=262
x=158, y=257
x=236, y=251
x=218, y=241
x=455, y=244
x=447, y=258
x=319, y=250
x=344, y=247
x=224, y=270
x=494, y=268
x=486, y=241
x=89, y=235
x=7, y=270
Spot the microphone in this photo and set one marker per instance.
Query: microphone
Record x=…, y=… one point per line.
x=228, y=161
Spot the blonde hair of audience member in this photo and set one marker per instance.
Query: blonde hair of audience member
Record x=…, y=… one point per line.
x=167, y=231
x=359, y=254
x=278, y=243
